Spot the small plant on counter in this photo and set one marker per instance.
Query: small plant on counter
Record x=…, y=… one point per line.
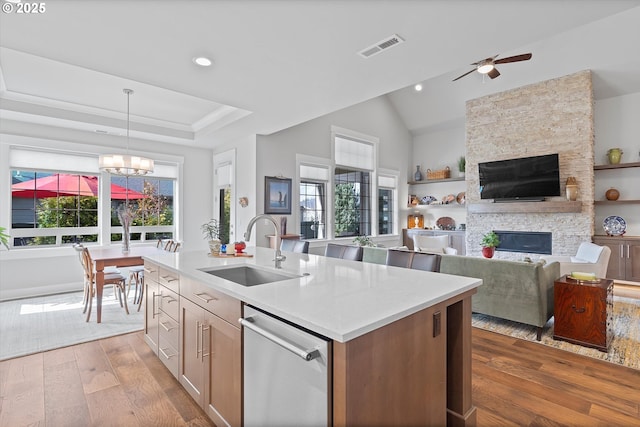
x=364, y=241
x=211, y=231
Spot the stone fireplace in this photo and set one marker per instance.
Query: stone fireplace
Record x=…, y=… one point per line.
x=553, y=116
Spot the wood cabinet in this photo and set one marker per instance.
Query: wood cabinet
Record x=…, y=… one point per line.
x=583, y=312
x=161, y=321
x=457, y=239
x=211, y=349
x=624, y=263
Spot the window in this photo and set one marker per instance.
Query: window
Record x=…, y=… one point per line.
x=312, y=210
x=56, y=199
x=151, y=200
x=352, y=203
x=314, y=175
x=355, y=159
x=386, y=203
x=49, y=208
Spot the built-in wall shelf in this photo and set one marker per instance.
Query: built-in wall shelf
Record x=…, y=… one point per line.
x=616, y=202
x=431, y=181
x=526, y=207
x=437, y=205
x=617, y=166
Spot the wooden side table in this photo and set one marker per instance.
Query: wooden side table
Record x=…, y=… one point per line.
x=583, y=312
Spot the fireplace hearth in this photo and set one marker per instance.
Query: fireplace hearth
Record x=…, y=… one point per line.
x=532, y=242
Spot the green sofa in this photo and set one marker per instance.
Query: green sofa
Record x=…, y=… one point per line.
x=512, y=290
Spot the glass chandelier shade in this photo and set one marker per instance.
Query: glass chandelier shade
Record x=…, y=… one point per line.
x=126, y=164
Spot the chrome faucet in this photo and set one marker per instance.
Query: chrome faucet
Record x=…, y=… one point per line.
x=247, y=236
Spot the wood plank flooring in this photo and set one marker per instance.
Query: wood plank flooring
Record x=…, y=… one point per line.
x=118, y=381
x=115, y=381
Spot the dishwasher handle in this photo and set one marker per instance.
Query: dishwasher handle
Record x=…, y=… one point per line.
x=307, y=355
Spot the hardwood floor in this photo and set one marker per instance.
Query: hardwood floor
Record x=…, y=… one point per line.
x=119, y=381
x=115, y=381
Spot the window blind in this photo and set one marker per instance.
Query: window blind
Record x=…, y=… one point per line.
x=354, y=154
x=317, y=173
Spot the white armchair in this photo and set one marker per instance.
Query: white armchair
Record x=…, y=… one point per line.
x=590, y=258
x=433, y=244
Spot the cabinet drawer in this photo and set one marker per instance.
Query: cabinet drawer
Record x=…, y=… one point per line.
x=169, y=329
x=169, y=279
x=168, y=355
x=151, y=271
x=169, y=303
x=223, y=306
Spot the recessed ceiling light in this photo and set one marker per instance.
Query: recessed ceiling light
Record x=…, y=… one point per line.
x=202, y=61
x=418, y=87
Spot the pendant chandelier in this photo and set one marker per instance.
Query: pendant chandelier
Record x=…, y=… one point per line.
x=126, y=164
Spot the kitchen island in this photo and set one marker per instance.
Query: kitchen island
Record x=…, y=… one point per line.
x=401, y=338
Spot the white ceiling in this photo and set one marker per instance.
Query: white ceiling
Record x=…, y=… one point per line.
x=280, y=63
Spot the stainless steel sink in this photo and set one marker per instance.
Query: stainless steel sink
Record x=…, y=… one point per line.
x=248, y=276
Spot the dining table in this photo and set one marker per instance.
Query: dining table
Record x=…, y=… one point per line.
x=107, y=256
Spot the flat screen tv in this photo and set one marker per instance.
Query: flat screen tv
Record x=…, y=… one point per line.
x=525, y=178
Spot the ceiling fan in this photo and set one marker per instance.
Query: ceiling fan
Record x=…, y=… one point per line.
x=488, y=66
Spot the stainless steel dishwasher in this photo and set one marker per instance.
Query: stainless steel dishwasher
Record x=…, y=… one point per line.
x=286, y=373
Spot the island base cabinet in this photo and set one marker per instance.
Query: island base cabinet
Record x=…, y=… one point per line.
x=211, y=363
x=412, y=389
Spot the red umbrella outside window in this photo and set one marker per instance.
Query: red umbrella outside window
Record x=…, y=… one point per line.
x=69, y=185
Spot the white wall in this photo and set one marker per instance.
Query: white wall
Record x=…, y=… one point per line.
x=26, y=272
x=276, y=153
x=617, y=124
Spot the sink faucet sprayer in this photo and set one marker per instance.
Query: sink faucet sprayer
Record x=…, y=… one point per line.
x=247, y=236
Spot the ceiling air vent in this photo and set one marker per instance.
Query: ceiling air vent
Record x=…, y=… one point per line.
x=384, y=44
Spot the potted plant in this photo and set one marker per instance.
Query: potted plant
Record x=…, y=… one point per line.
x=364, y=241
x=489, y=242
x=211, y=232
x=4, y=238
x=462, y=164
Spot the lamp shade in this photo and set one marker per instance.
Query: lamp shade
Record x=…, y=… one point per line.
x=125, y=164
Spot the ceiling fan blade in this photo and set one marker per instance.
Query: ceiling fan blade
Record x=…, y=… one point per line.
x=493, y=73
x=517, y=58
x=468, y=72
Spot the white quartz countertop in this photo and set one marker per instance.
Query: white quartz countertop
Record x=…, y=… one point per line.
x=335, y=298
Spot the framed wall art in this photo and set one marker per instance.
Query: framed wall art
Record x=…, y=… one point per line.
x=277, y=195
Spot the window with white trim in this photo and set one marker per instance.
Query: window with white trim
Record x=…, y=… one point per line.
x=386, y=202
x=313, y=200
x=355, y=161
x=56, y=199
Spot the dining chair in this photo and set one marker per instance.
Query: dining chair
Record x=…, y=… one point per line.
x=79, y=247
x=298, y=246
x=426, y=262
x=353, y=253
x=334, y=251
x=116, y=279
x=399, y=258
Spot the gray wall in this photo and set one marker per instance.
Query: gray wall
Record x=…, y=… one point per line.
x=276, y=153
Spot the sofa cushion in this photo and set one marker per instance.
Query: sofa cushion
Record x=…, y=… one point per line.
x=587, y=252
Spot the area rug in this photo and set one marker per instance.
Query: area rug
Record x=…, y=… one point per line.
x=38, y=324
x=623, y=350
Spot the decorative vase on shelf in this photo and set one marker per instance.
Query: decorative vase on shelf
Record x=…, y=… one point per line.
x=612, y=194
x=614, y=155
x=418, y=175
x=572, y=189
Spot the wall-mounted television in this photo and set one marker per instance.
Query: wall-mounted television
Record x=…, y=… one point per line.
x=525, y=178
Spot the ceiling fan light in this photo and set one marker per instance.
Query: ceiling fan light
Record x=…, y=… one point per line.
x=485, y=68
